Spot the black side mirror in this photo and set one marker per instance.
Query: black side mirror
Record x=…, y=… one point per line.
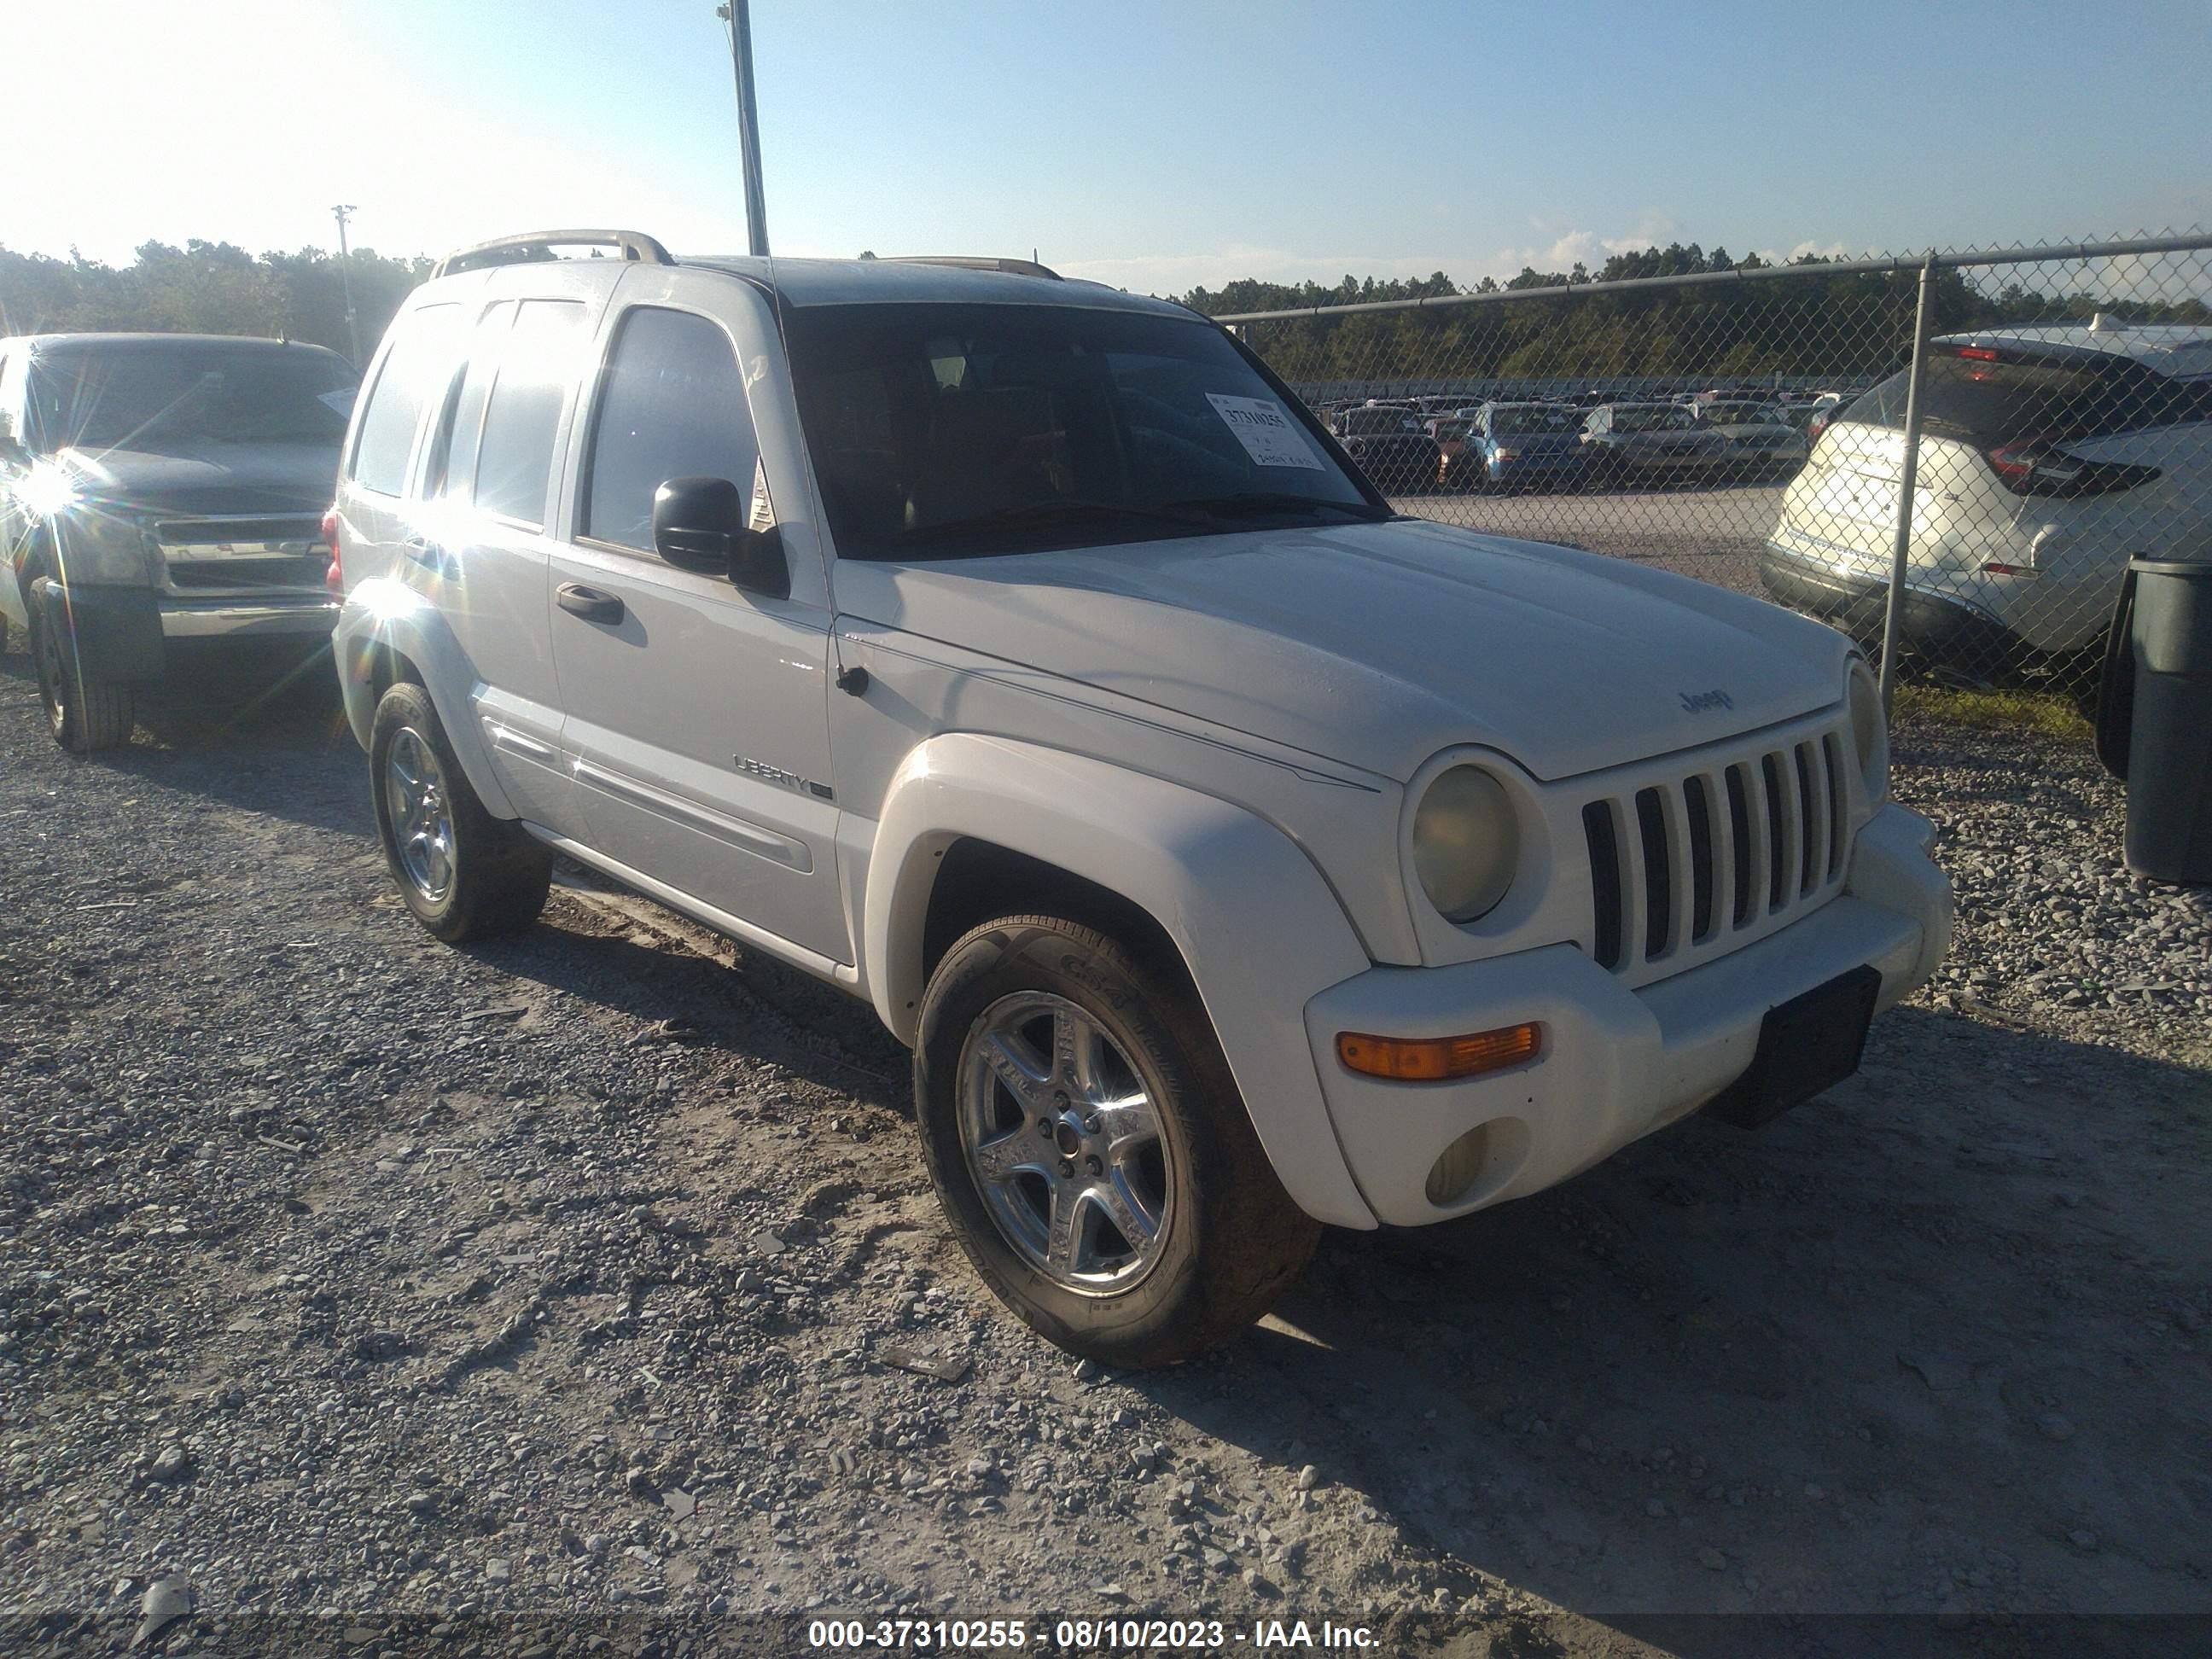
x=699, y=524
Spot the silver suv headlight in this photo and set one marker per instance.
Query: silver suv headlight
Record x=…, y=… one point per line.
x=1869, y=733
x=1466, y=843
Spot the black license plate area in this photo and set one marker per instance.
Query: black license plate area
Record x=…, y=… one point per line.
x=1806, y=1045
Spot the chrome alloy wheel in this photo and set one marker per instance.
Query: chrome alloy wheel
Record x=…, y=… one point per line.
x=1063, y=1140
x=421, y=813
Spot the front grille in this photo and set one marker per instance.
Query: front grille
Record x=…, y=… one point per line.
x=254, y=527
x=242, y=554
x=1682, y=864
x=226, y=575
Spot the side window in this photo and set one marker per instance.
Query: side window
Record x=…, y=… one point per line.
x=537, y=361
x=452, y=468
x=672, y=405
x=413, y=370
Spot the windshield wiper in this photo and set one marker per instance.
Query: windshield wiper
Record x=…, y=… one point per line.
x=1278, y=501
x=1037, y=514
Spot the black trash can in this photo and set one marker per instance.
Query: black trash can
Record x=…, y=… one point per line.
x=2169, y=765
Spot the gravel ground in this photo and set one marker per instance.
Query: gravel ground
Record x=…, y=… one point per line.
x=397, y=1291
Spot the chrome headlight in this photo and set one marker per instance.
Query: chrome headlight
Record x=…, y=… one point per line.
x=1869, y=733
x=1466, y=843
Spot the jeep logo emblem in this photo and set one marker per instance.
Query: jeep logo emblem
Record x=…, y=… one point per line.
x=1696, y=702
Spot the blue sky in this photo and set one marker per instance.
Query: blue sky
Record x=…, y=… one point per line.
x=1155, y=146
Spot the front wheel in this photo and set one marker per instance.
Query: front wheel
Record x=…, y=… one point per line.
x=465, y=873
x=1090, y=1150
x=84, y=712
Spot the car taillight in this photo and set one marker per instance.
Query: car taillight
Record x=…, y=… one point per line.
x=334, y=577
x=1816, y=426
x=2036, y=466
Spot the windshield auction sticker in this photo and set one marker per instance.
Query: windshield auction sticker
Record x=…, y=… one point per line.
x=1270, y=437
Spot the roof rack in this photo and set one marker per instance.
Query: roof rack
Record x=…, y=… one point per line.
x=539, y=245
x=979, y=262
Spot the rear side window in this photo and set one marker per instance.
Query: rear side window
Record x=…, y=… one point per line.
x=1997, y=400
x=414, y=370
x=672, y=405
x=538, y=359
x=451, y=469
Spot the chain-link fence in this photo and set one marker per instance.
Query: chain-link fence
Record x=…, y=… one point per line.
x=2004, y=428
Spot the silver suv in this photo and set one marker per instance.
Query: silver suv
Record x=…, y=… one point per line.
x=1234, y=854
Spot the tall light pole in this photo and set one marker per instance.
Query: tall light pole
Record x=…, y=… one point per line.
x=345, y=280
x=738, y=13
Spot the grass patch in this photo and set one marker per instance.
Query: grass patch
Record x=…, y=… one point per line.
x=2011, y=709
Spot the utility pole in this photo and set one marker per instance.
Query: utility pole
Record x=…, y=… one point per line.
x=345, y=280
x=738, y=13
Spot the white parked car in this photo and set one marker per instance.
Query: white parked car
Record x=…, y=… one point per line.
x=1235, y=854
x=1649, y=439
x=1760, y=438
x=2049, y=457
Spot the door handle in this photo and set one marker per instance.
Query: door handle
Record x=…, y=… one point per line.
x=588, y=603
x=431, y=557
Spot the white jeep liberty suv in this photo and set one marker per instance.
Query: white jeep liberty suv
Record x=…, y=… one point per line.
x=1234, y=854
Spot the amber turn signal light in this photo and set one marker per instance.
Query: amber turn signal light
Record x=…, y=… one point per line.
x=1434, y=1059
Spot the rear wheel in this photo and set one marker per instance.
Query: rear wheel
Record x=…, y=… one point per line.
x=465, y=873
x=84, y=712
x=1090, y=1150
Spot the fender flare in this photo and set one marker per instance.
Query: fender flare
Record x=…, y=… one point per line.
x=1258, y=927
x=382, y=613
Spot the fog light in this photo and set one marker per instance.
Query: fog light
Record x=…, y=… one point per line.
x=1478, y=1163
x=1432, y=1059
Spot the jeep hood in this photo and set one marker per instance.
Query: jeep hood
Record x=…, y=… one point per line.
x=1377, y=644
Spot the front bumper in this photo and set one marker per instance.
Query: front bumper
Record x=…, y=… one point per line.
x=1615, y=1064
x=1947, y=631
x=229, y=618
x=123, y=632
x=1540, y=466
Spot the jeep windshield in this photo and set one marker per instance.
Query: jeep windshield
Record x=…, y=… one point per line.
x=164, y=396
x=939, y=431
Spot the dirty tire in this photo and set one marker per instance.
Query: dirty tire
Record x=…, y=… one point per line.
x=83, y=713
x=499, y=875
x=1232, y=1239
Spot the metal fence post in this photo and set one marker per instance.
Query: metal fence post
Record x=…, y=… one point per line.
x=1908, y=478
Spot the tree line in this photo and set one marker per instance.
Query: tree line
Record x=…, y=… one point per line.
x=207, y=287
x=1843, y=327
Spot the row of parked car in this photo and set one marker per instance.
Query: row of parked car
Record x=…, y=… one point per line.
x=185, y=478
x=1532, y=445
